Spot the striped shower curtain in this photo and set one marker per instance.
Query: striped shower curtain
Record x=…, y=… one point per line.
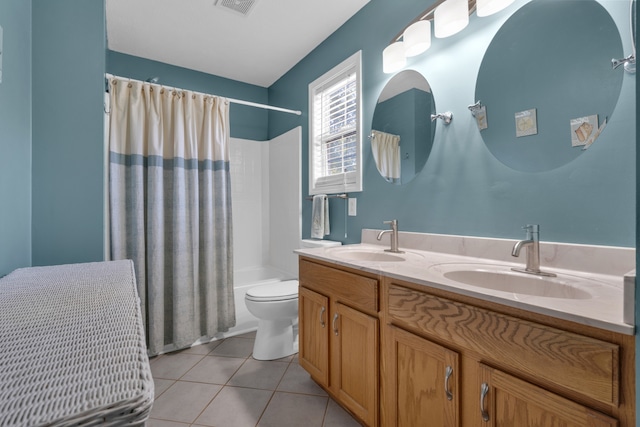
x=170, y=208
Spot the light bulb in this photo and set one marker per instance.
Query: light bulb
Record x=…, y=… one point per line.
x=393, y=57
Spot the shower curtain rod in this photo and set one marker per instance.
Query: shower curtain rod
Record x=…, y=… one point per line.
x=235, y=101
x=265, y=106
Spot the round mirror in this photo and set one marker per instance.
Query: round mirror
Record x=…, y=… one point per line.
x=401, y=131
x=547, y=83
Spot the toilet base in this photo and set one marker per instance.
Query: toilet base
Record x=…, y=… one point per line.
x=274, y=340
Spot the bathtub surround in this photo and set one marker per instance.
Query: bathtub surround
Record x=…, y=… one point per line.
x=265, y=180
x=170, y=199
x=285, y=201
x=265, y=184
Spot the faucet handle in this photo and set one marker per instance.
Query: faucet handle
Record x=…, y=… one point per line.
x=532, y=231
x=393, y=223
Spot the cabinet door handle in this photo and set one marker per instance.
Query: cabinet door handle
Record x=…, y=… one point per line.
x=322, y=311
x=335, y=326
x=484, y=390
x=447, y=374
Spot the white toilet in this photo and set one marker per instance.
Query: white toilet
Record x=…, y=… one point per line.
x=276, y=307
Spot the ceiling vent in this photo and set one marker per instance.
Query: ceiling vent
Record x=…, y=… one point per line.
x=243, y=7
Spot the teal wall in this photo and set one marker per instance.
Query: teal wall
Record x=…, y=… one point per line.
x=245, y=122
x=15, y=136
x=68, y=85
x=463, y=189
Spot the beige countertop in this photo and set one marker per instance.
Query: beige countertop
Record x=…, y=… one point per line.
x=602, y=276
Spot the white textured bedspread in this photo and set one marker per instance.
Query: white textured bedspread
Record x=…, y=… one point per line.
x=72, y=347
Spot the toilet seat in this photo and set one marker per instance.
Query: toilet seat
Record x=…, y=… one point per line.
x=281, y=291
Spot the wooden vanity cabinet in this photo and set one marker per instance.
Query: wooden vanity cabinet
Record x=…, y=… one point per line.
x=313, y=310
x=396, y=353
x=339, y=330
x=534, y=374
x=506, y=400
x=425, y=376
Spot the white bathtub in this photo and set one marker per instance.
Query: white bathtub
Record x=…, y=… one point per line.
x=243, y=281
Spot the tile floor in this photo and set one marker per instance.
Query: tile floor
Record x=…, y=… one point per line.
x=219, y=384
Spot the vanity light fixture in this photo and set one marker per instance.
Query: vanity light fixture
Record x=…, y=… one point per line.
x=448, y=16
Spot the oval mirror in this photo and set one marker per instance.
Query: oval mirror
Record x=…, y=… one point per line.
x=401, y=131
x=547, y=83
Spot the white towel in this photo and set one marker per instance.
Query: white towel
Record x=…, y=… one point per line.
x=320, y=216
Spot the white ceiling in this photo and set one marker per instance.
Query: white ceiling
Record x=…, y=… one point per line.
x=257, y=48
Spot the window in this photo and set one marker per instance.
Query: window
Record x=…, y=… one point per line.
x=335, y=130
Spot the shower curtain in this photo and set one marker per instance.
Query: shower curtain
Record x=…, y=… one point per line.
x=170, y=208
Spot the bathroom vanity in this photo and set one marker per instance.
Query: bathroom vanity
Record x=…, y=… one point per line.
x=398, y=342
x=339, y=334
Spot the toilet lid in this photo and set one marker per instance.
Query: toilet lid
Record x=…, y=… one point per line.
x=276, y=292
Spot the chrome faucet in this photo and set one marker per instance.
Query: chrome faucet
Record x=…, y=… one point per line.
x=532, y=245
x=394, y=236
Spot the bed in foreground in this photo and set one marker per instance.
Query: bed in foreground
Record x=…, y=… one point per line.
x=72, y=347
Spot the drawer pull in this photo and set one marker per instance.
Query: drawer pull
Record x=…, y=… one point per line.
x=447, y=374
x=335, y=326
x=322, y=311
x=484, y=390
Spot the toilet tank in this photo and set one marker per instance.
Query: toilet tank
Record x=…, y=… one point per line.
x=316, y=243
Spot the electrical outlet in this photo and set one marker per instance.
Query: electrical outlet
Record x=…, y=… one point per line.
x=352, y=206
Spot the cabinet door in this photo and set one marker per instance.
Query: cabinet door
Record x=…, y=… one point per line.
x=354, y=368
x=506, y=401
x=423, y=379
x=313, y=330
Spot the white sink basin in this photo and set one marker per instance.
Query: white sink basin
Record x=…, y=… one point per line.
x=358, y=253
x=503, y=279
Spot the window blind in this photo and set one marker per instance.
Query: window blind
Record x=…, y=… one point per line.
x=335, y=133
